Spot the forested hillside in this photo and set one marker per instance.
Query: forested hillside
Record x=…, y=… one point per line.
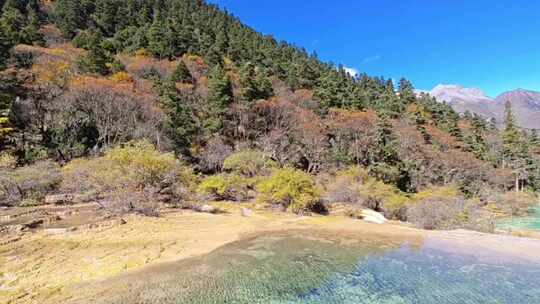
x=86, y=84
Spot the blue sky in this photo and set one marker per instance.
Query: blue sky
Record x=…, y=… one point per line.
x=492, y=45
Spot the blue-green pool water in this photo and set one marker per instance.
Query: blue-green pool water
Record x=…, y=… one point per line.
x=298, y=268
x=529, y=222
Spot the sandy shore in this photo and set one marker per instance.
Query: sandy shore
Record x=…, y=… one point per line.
x=42, y=268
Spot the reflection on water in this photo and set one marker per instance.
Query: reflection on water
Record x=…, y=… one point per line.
x=530, y=222
x=296, y=268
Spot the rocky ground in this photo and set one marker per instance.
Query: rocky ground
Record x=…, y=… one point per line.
x=46, y=252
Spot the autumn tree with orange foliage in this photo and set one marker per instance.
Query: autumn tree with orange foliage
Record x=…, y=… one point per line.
x=352, y=135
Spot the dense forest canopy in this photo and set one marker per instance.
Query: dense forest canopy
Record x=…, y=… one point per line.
x=83, y=76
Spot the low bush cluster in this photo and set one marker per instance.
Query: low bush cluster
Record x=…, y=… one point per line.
x=291, y=188
x=28, y=185
x=449, y=213
x=249, y=163
x=225, y=187
x=136, y=177
x=512, y=203
x=130, y=177
x=354, y=186
x=435, y=207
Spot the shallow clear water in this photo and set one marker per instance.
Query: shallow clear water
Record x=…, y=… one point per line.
x=300, y=268
x=530, y=222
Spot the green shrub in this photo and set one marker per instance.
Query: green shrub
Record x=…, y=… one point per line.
x=86, y=39
x=94, y=61
x=28, y=183
x=386, y=173
x=117, y=66
x=248, y=163
x=294, y=189
x=225, y=187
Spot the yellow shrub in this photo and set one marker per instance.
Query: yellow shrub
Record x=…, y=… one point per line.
x=292, y=188
x=121, y=77
x=141, y=52
x=184, y=86
x=7, y=160
x=134, y=165
x=52, y=72
x=143, y=162
x=353, y=174
x=391, y=197
x=436, y=192
x=95, y=175
x=195, y=58
x=225, y=187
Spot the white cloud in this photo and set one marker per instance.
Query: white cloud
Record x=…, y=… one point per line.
x=371, y=59
x=351, y=71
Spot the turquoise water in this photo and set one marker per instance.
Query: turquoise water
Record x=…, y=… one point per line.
x=530, y=222
x=301, y=268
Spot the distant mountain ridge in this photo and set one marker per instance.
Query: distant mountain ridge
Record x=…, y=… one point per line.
x=525, y=103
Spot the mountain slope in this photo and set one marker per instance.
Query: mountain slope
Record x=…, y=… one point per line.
x=466, y=99
x=525, y=103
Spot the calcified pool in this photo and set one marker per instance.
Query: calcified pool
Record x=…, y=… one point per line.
x=300, y=267
x=529, y=222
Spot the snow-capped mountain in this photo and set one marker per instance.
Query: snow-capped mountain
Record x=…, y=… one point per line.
x=525, y=103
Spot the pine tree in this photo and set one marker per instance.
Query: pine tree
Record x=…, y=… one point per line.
x=12, y=23
x=181, y=73
x=510, y=136
x=248, y=87
x=33, y=5
x=388, y=102
x=104, y=16
x=220, y=95
x=514, y=150
x=492, y=124
x=13, y=4
x=306, y=73
x=218, y=47
x=160, y=42
x=327, y=90
x=385, y=142
x=70, y=16
x=95, y=60
x=475, y=141
x=254, y=83
x=385, y=163
x=406, y=91
x=264, y=84
x=181, y=126
x=5, y=46
x=30, y=32
x=534, y=139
